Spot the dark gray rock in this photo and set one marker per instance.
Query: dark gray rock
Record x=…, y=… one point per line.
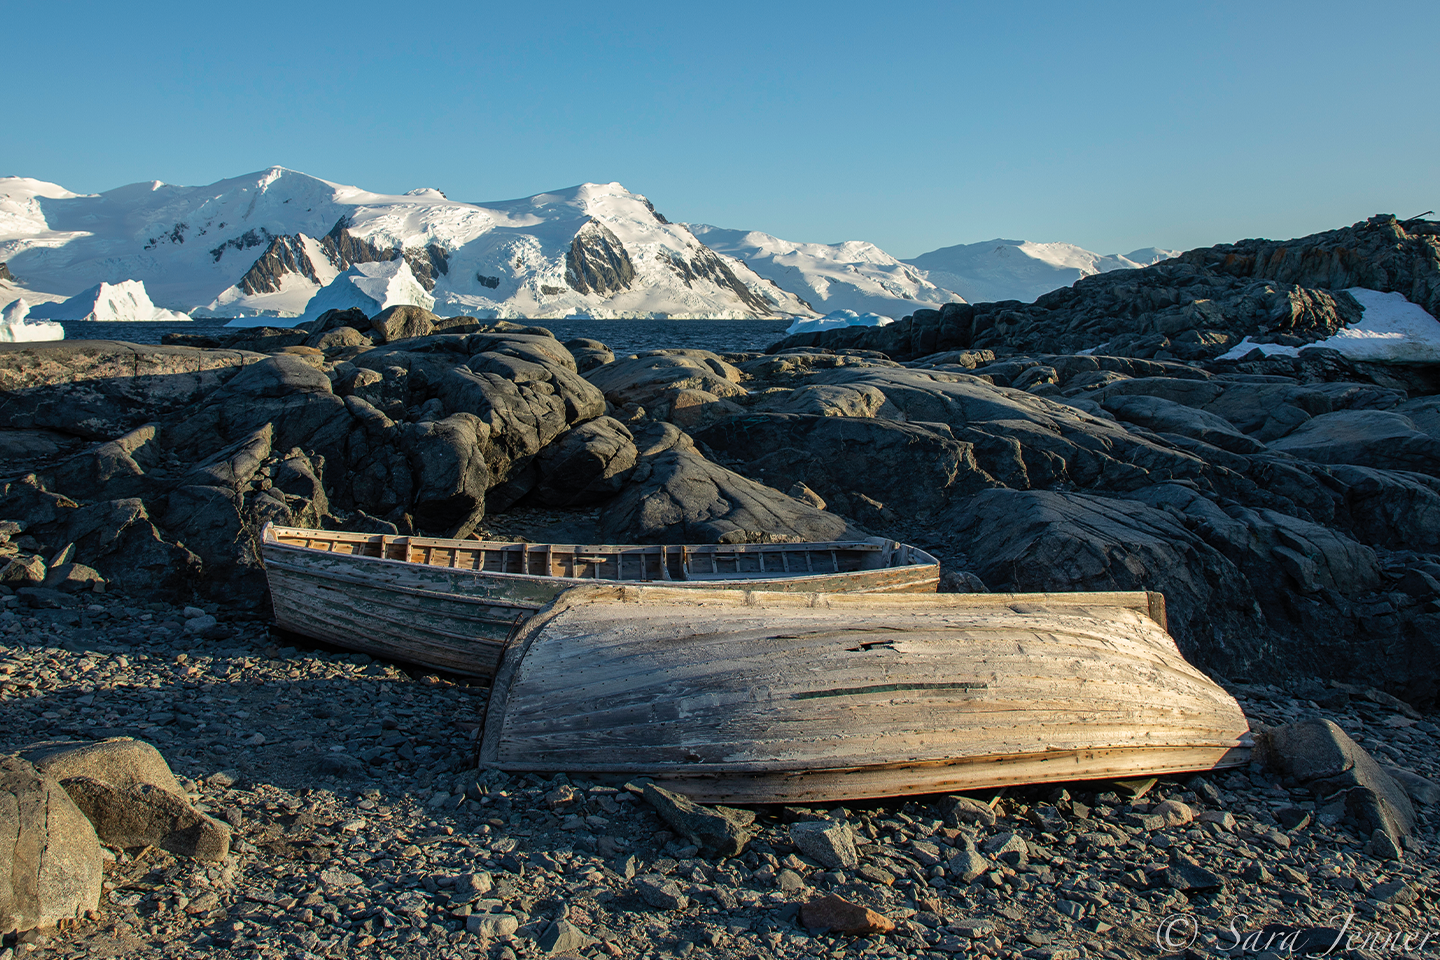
x=680, y=497
x=721, y=829
x=1319, y=753
x=831, y=842
x=586, y=464
x=914, y=470
x=1042, y=541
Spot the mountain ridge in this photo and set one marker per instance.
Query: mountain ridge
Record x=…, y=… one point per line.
x=264, y=243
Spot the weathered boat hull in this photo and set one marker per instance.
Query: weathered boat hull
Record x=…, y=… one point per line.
x=765, y=697
x=451, y=604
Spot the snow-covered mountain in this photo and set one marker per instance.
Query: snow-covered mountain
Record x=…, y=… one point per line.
x=853, y=275
x=265, y=243
x=1022, y=270
x=268, y=241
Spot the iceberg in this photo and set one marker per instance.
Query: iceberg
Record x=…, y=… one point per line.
x=123, y=302
x=369, y=287
x=14, y=328
x=836, y=319
x=1391, y=330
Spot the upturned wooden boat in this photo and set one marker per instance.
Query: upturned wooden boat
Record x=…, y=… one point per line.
x=760, y=697
x=452, y=604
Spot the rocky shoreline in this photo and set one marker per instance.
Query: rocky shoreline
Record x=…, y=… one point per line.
x=1289, y=509
x=361, y=828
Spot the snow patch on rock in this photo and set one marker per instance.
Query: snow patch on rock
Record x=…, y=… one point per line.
x=1392, y=330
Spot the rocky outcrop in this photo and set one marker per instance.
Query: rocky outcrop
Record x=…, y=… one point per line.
x=1196, y=306
x=286, y=256
x=597, y=262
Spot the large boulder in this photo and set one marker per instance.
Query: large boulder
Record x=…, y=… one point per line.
x=913, y=470
x=678, y=496
x=50, y=866
x=646, y=376
x=1045, y=541
x=401, y=322
x=586, y=464
x=128, y=792
x=1320, y=754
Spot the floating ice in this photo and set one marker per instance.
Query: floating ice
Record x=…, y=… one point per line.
x=836, y=319
x=14, y=328
x=369, y=287
x=123, y=302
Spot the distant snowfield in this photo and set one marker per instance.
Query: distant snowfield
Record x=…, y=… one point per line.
x=1021, y=269
x=1391, y=330
x=854, y=275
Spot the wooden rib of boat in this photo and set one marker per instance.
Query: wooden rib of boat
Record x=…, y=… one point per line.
x=760, y=697
x=451, y=604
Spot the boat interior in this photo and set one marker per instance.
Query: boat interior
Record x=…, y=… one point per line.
x=657, y=562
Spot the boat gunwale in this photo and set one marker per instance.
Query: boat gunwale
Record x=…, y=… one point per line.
x=270, y=541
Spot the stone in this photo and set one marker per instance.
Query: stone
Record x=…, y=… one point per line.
x=1320, y=753
x=678, y=496
x=585, y=465
x=831, y=842
x=962, y=810
x=472, y=886
x=122, y=762
x=563, y=937
x=660, y=892
x=1421, y=789
x=1393, y=891
x=722, y=829
x=968, y=865
x=1186, y=875
x=1008, y=847
x=50, y=864
x=22, y=571
x=836, y=914
x=789, y=881
x=401, y=322
x=146, y=815
x=1174, y=812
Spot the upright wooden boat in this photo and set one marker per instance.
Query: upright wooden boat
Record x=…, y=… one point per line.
x=451, y=604
x=760, y=697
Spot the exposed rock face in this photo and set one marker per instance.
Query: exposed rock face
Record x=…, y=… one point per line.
x=285, y=256
x=597, y=261
x=5, y=273
x=707, y=265
x=1197, y=305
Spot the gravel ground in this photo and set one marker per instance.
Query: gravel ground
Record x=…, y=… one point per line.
x=361, y=829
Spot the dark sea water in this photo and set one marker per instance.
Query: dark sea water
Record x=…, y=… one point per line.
x=622, y=336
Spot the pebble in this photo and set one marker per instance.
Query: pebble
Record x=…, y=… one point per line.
x=360, y=858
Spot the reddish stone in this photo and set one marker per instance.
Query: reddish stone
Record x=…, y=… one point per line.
x=841, y=916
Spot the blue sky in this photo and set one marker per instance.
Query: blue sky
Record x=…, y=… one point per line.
x=912, y=125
